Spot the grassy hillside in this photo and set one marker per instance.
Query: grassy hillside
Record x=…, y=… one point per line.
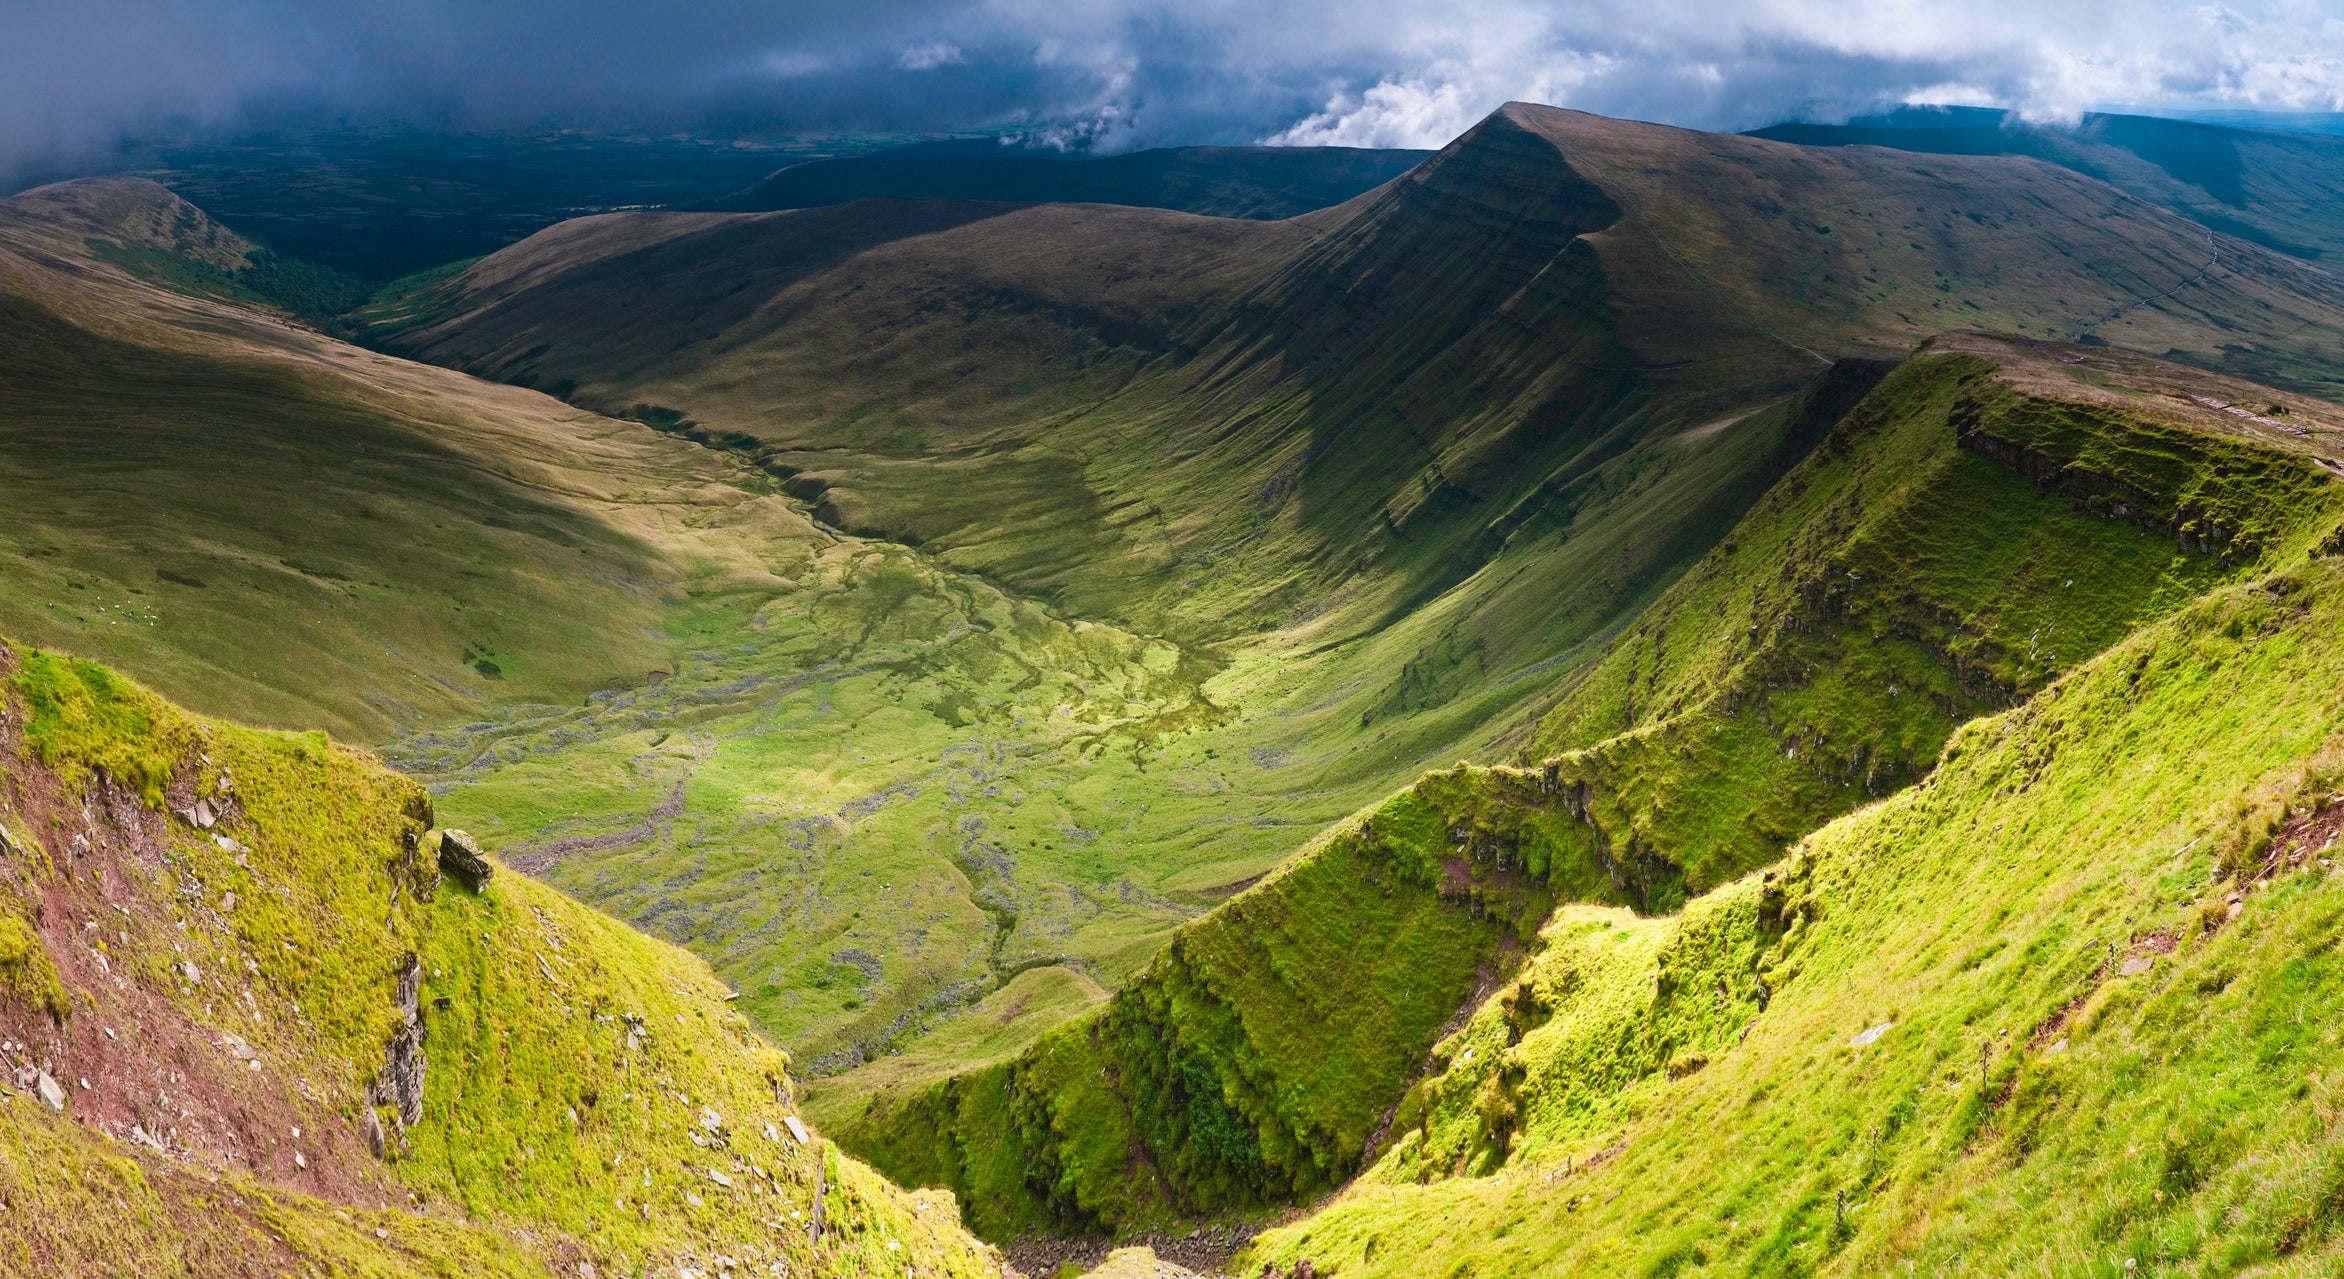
x=1309, y=723
x=1995, y=513
x=2055, y=1009
x=933, y=690
x=2273, y=188
x=280, y=528
x=1248, y=1064
x=274, y=1038
x=1222, y=182
x=902, y=788
x=1894, y=578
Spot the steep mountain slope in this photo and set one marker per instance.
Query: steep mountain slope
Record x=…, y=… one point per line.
x=282, y=528
x=1997, y=512
x=1222, y=182
x=248, y=1029
x=2276, y=189
x=1990, y=492
x=2056, y=1009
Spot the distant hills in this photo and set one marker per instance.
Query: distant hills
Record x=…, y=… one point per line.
x=1226, y=182
x=2281, y=190
x=380, y=202
x=371, y=204
x=1590, y=273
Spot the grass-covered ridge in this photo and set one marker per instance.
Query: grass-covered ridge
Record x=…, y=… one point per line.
x=1993, y=514
x=211, y=971
x=2056, y=1007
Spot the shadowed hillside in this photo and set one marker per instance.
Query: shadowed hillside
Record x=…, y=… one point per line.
x=280, y=527
x=1223, y=182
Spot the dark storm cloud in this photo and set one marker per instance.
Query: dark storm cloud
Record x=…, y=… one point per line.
x=1120, y=73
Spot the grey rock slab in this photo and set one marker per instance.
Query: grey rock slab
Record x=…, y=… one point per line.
x=460, y=855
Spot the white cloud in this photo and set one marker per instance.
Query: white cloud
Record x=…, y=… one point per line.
x=1712, y=64
x=1394, y=113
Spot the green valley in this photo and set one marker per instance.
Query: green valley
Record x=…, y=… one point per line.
x=1150, y=443
x=1608, y=698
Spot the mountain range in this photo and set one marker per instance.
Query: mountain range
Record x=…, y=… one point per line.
x=1606, y=698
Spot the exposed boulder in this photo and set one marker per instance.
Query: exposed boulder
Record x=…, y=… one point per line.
x=460, y=856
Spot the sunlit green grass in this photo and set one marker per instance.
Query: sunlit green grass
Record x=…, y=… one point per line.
x=1635, y=1105
x=572, y=1063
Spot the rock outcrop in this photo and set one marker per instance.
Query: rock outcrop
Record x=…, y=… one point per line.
x=460, y=856
x=399, y=1085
